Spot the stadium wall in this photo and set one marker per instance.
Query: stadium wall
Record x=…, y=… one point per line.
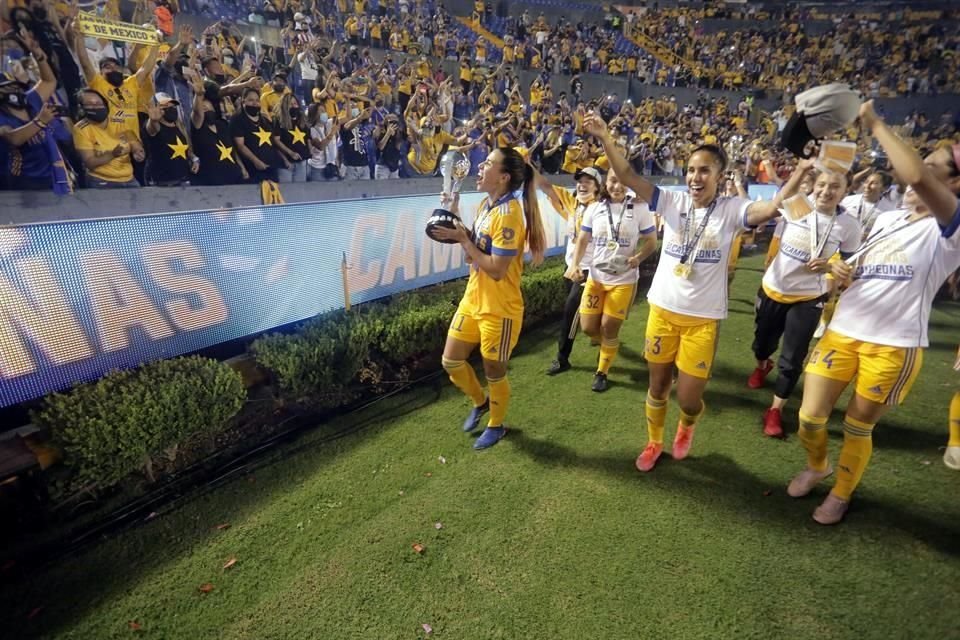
x=79, y=298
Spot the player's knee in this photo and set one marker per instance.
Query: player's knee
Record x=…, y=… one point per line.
x=494, y=369
x=591, y=328
x=610, y=328
x=450, y=364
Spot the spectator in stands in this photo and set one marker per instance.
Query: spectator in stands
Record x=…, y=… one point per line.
x=122, y=94
x=164, y=13
x=324, y=138
x=27, y=125
x=170, y=159
x=390, y=141
x=354, y=141
x=290, y=138
x=271, y=93
x=220, y=162
x=107, y=153
x=253, y=136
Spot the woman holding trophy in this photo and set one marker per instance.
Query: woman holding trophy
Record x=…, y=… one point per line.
x=688, y=297
x=490, y=313
x=614, y=230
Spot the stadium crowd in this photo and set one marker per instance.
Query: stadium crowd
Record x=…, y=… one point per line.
x=220, y=108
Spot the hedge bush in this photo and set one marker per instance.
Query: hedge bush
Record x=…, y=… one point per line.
x=120, y=423
x=321, y=363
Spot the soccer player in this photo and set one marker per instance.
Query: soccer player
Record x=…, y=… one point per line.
x=490, y=313
x=869, y=203
x=688, y=296
x=615, y=229
x=880, y=327
x=795, y=288
x=575, y=208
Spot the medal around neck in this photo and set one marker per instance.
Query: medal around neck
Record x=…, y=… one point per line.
x=454, y=166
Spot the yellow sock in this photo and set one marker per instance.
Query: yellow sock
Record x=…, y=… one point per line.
x=827, y=315
x=857, y=447
x=813, y=435
x=608, y=351
x=499, y=400
x=690, y=420
x=656, y=416
x=463, y=375
x=955, y=421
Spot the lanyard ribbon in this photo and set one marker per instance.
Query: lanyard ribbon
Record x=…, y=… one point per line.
x=691, y=245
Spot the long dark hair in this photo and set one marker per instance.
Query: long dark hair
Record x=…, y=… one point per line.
x=521, y=174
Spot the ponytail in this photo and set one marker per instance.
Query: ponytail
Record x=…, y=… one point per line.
x=536, y=236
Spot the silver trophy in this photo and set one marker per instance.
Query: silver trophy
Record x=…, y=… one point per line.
x=454, y=167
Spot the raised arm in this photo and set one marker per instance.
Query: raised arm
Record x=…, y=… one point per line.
x=910, y=167
x=596, y=127
x=761, y=211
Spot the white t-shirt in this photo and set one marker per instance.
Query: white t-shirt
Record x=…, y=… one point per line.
x=704, y=293
x=788, y=274
x=630, y=220
x=320, y=157
x=308, y=66
x=895, y=281
x=866, y=213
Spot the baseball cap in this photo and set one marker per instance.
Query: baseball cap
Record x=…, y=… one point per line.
x=164, y=98
x=820, y=112
x=591, y=172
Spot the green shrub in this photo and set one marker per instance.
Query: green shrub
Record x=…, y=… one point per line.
x=317, y=364
x=324, y=362
x=113, y=426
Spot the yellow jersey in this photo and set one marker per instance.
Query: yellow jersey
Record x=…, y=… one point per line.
x=122, y=104
x=425, y=161
x=499, y=230
x=88, y=136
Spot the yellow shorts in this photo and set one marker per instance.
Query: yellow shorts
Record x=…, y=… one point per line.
x=884, y=374
x=688, y=341
x=612, y=300
x=496, y=335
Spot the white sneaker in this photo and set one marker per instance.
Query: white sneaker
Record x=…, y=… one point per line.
x=821, y=329
x=806, y=480
x=951, y=458
x=831, y=511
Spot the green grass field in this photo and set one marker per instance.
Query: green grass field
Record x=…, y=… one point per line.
x=550, y=534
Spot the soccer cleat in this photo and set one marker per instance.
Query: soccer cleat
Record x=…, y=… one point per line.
x=772, y=428
x=951, y=458
x=821, y=329
x=831, y=510
x=490, y=437
x=473, y=420
x=599, y=382
x=805, y=481
x=558, y=366
x=755, y=381
x=649, y=456
x=682, y=442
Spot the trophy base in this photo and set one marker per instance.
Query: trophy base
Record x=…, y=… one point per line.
x=441, y=218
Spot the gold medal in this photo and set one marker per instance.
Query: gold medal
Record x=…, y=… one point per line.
x=682, y=271
x=613, y=245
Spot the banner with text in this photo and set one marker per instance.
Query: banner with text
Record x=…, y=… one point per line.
x=97, y=27
x=79, y=298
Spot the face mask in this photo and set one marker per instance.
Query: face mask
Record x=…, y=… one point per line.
x=114, y=77
x=228, y=61
x=324, y=117
x=220, y=78
x=253, y=112
x=279, y=87
x=98, y=115
x=354, y=113
x=17, y=99
x=212, y=94
x=295, y=113
x=170, y=114
x=209, y=118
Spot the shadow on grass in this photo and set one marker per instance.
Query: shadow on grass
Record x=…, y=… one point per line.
x=743, y=492
x=177, y=529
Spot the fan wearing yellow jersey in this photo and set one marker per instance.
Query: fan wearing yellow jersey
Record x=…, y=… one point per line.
x=490, y=313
